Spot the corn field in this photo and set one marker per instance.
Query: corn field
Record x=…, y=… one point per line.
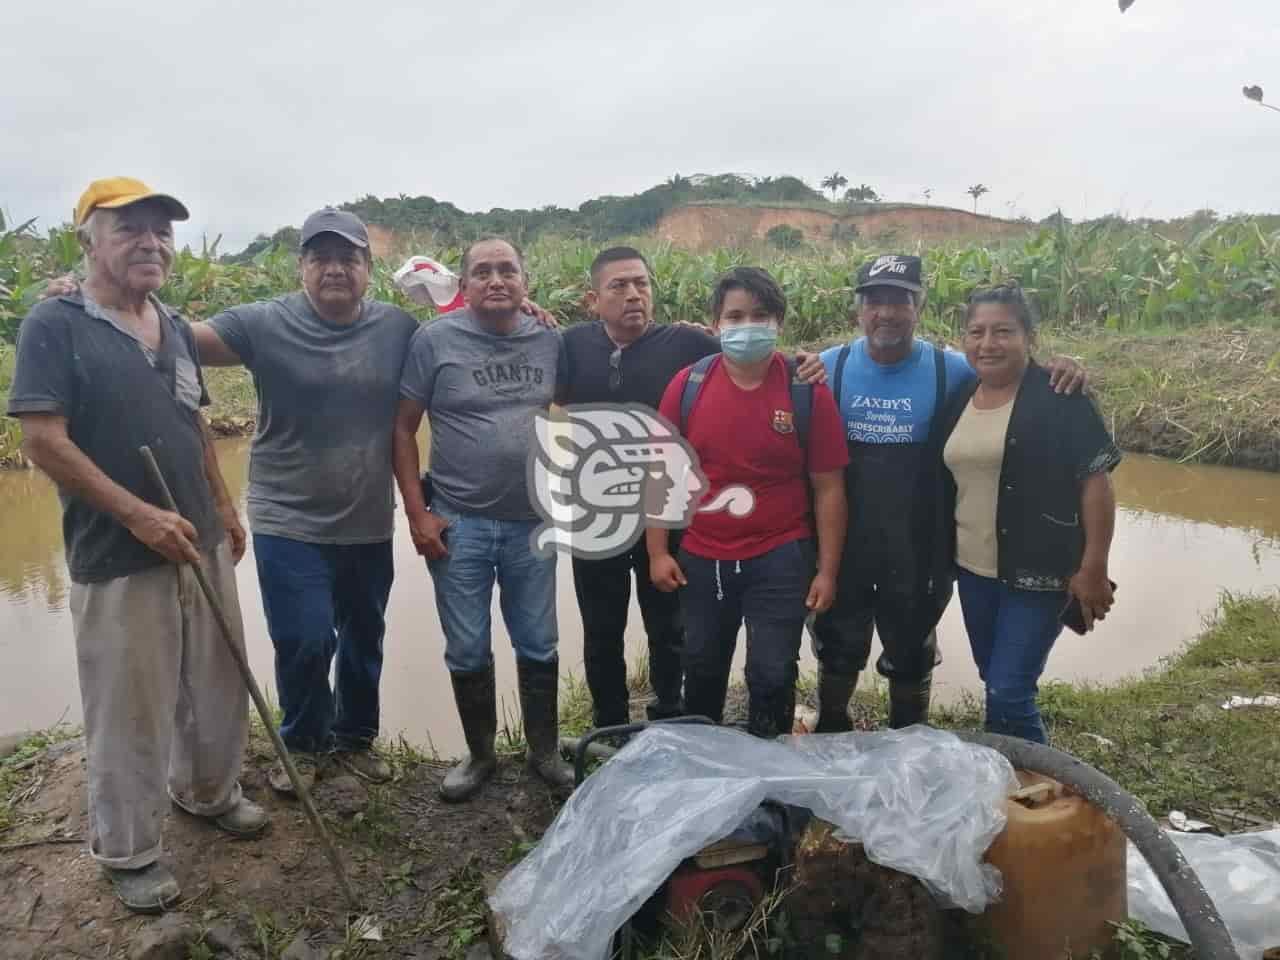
x=1103, y=275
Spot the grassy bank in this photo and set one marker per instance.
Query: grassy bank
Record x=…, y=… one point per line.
x=1165, y=737
x=1206, y=396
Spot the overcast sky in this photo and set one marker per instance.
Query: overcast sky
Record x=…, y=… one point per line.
x=255, y=113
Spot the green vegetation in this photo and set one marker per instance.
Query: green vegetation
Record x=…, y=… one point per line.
x=1184, y=280
x=785, y=237
x=440, y=223
x=1205, y=394
x=19, y=775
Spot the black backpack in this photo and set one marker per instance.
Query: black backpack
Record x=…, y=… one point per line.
x=801, y=396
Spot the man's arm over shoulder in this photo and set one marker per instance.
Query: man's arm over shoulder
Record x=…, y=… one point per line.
x=44, y=378
x=227, y=339
x=696, y=341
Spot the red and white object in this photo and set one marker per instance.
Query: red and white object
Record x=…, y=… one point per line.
x=428, y=281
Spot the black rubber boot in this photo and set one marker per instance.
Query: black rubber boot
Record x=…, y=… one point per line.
x=771, y=715
x=762, y=718
x=539, y=703
x=909, y=701
x=478, y=709
x=834, y=693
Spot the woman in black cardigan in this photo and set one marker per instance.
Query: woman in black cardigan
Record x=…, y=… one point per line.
x=1034, y=508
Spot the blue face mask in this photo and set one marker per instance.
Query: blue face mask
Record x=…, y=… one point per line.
x=748, y=342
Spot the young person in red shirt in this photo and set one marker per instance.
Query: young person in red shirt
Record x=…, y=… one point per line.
x=765, y=567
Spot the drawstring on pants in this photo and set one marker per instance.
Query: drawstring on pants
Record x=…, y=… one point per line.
x=737, y=568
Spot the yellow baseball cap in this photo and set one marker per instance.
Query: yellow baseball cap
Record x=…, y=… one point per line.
x=114, y=192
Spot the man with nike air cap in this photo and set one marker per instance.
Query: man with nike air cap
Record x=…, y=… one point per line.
x=897, y=572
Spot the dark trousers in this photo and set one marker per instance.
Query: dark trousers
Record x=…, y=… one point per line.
x=604, y=594
x=323, y=600
x=768, y=592
x=842, y=635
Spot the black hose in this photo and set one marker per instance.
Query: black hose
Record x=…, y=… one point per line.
x=1207, y=932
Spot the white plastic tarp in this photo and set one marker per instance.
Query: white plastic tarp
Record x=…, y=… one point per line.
x=1241, y=874
x=920, y=800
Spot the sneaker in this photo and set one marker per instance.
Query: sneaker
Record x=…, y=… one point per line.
x=308, y=767
x=246, y=819
x=151, y=889
x=366, y=764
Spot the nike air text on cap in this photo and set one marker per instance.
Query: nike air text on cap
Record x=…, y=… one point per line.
x=891, y=270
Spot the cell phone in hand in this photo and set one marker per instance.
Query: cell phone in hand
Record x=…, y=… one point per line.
x=1072, y=616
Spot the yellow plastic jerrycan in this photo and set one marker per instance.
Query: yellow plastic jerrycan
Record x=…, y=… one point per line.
x=1063, y=865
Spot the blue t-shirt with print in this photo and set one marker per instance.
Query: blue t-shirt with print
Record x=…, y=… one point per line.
x=892, y=403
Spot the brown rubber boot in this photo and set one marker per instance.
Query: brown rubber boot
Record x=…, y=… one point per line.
x=478, y=709
x=539, y=703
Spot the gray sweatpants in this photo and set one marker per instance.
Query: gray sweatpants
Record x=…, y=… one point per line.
x=162, y=699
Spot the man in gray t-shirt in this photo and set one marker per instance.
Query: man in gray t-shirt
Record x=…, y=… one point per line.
x=482, y=374
x=326, y=364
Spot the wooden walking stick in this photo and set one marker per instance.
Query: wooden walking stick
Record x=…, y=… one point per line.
x=237, y=654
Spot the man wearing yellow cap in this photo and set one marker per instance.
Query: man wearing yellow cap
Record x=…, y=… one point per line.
x=101, y=372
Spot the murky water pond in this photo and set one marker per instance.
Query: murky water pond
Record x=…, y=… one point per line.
x=1184, y=534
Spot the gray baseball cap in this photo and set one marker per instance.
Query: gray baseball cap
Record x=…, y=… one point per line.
x=330, y=220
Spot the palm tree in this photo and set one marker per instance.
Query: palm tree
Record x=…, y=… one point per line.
x=976, y=191
x=862, y=192
x=835, y=182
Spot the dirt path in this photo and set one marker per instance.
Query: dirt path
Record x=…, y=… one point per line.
x=416, y=863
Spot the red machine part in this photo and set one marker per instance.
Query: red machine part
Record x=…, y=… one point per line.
x=725, y=895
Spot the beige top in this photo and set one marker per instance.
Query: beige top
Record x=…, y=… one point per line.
x=974, y=454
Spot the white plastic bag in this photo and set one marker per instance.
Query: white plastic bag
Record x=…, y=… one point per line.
x=920, y=800
x=1241, y=874
x=427, y=281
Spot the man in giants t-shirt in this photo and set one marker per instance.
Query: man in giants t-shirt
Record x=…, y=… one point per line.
x=482, y=374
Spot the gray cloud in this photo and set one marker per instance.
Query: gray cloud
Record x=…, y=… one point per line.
x=256, y=113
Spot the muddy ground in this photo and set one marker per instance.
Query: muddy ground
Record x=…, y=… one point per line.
x=415, y=862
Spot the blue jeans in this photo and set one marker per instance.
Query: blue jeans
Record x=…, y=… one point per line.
x=1011, y=632
x=323, y=599
x=483, y=551
x=768, y=592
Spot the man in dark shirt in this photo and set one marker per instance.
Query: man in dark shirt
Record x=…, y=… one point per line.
x=101, y=373
x=625, y=357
